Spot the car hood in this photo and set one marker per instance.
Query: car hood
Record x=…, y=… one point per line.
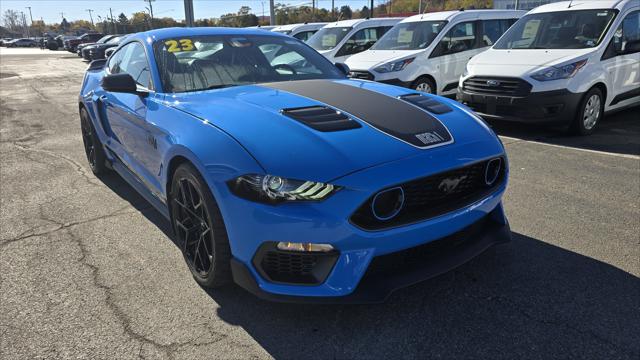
x=523, y=61
x=260, y=118
x=371, y=58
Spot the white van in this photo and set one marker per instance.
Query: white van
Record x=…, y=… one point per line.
x=299, y=31
x=339, y=40
x=428, y=52
x=564, y=62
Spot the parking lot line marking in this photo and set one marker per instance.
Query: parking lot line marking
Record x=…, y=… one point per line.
x=517, y=140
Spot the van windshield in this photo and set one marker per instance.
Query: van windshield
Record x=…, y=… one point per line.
x=328, y=38
x=410, y=36
x=577, y=29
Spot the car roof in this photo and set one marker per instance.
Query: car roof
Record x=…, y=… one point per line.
x=292, y=27
x=452, y=15
x=581, y=5
x=354, y=22
x=201, y=31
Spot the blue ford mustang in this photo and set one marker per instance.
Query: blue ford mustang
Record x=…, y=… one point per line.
x=282, y=175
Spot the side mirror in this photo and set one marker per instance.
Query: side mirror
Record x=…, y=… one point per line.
x=122, y=83
x=343, y=68
x=632, y=47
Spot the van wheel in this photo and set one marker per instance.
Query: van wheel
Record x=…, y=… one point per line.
x=424, y=84
x=590, y=113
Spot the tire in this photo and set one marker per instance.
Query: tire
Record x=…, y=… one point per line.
x=424, y=84
x=92, y=145
x=199, y=218
x=589, y=114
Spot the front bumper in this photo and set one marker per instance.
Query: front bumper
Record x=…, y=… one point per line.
x=250, y=225
x=390, y=272
x=557, y=106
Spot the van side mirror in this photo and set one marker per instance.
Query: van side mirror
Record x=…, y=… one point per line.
x=122, y=83
x=343, y=68
x=632, y=47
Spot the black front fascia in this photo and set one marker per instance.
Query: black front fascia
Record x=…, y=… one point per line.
x=394, y=117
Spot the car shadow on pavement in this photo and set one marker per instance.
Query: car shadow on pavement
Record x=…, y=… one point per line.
x=526, y=299
x=617, y=133
x=120, y=187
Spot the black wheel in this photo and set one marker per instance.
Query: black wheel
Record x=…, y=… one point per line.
x=92, y=145
x=424, y=84
x=590, y=112
x=199, y=228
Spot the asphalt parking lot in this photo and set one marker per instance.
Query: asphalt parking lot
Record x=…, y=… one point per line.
x=88, y=269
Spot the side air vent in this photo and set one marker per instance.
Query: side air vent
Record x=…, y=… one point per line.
x=426, y=103
x=322, y=118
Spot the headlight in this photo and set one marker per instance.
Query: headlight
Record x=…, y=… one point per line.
x=466, y=71
x=394, y=66
x=274, y=189
x=559, y=72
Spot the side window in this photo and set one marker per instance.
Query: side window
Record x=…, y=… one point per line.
x=461, y=37
x=132, y=60
x=115, y=60
x=305, y=35
x=628, y=34
x=493, y=29
x=362, y=40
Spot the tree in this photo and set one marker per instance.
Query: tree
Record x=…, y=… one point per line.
x=122, y=19
x=345, y=12
x=11, y=19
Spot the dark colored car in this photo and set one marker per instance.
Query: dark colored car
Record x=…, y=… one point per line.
x=72, y=44
x=102, y=40
x=98, y=51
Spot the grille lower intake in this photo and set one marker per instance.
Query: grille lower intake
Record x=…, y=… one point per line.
x=292, y=267
x=497, y=86
x=322, y=118
x=426, y=103
x=435, y=195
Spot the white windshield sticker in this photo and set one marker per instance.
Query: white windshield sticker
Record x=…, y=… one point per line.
x=530, y=29
x=329, y=40
x=405, y=36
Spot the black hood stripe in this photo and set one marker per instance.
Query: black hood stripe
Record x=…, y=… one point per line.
x=390, y=115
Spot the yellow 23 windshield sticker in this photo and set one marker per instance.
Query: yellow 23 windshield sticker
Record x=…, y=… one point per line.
x=179, y=45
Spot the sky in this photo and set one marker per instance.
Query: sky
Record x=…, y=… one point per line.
x=50, y=10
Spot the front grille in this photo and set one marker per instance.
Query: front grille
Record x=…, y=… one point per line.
x=364, y=75
x=292, y=267
x=416, y=257
x=432, y=196
x=497, y=86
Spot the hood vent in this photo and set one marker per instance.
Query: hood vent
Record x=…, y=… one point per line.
x=427, y=103
x=322, y=118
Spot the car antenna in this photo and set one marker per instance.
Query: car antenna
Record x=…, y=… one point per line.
x=569, y=6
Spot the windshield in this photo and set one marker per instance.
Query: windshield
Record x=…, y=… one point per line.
x=115, y=40
x=577, y=29
x=410, y=36
x=104, y=39
x=286, y=32
x=210, y=62
x=328, y=38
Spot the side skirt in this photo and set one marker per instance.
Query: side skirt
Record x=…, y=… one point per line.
x=139, y=186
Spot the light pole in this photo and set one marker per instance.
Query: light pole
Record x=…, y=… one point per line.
x=91, y=16
x=30, y=16
x=188, y=12
x=272, y=13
